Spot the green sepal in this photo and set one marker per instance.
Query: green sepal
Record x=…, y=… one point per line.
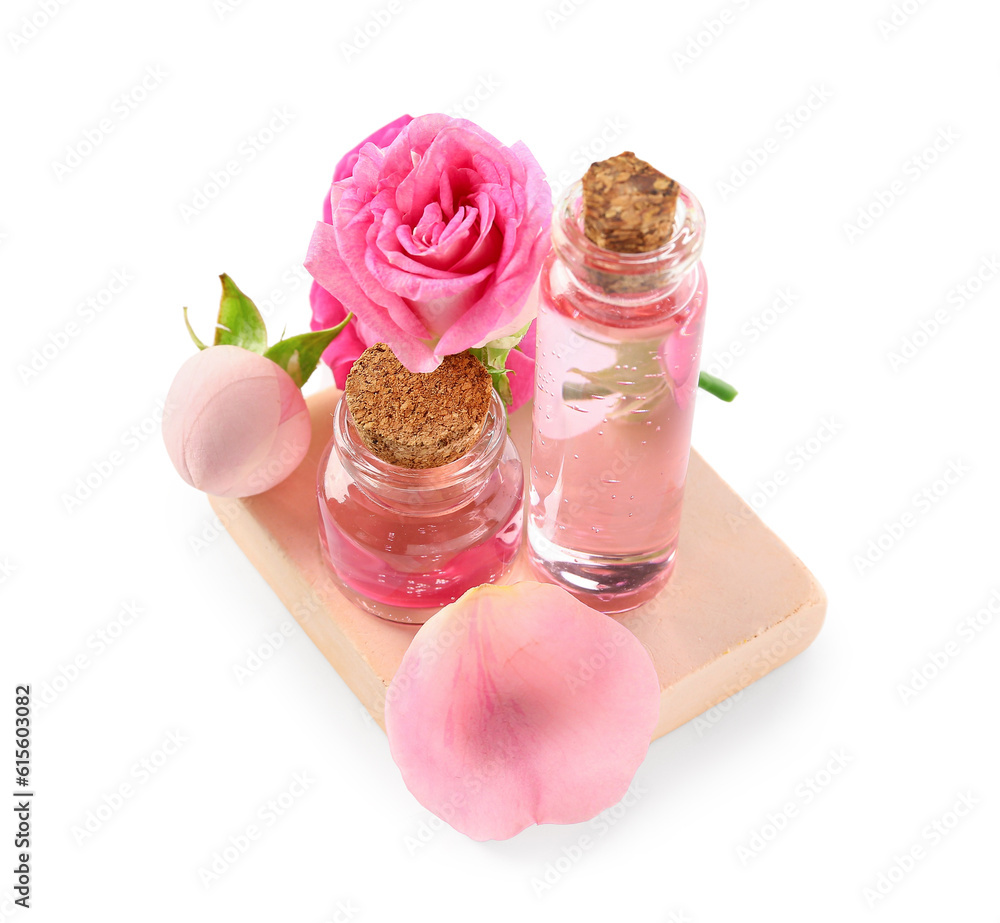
x=240, y=323
x=299, y=355
x=494, y=357
x=501, y=384
x=194, y=336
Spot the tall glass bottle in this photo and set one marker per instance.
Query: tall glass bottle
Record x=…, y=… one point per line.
x=616, y=374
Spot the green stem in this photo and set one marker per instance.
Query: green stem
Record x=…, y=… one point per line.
x=721, y=389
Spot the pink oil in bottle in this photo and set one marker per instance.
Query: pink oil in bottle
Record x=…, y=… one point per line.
x=405, y=542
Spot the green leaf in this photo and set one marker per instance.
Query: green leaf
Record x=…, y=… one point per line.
x=194, y=336
x=299, y=355
x=501, y=384
x=494, y=357
x=240, y=323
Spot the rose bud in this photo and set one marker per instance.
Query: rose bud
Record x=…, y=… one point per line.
x=235, y=424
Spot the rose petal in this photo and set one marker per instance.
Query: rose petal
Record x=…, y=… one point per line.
x=324, y=263
x=520, y=705
x=521, y=374
x=381, y=138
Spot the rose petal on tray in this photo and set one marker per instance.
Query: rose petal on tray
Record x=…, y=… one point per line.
x=519, y=705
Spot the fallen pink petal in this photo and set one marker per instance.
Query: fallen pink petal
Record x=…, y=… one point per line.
x=519, y=705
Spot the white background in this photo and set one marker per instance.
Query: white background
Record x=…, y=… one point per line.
x=557, y=81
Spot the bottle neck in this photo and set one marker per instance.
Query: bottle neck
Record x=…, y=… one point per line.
x=630, y=284
x=426, y=491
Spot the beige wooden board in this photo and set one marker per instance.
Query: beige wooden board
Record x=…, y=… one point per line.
x=738, y=605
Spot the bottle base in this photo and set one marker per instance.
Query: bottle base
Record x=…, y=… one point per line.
x=609, y=583
x=407, y=614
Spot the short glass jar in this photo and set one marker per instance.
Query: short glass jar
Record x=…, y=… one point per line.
x=403, y=542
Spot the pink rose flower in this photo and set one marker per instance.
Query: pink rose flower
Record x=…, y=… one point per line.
x=434, y=242
x=352, y=341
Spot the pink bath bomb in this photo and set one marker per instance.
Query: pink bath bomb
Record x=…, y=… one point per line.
x=235, y=424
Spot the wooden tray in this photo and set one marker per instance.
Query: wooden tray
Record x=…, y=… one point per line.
x=738, y=605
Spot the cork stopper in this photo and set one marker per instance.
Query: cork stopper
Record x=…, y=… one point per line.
x=418, y=419
x=628, y=206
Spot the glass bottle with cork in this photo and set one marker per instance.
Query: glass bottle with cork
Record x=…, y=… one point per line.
x=620, y=320
x=420, y=488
